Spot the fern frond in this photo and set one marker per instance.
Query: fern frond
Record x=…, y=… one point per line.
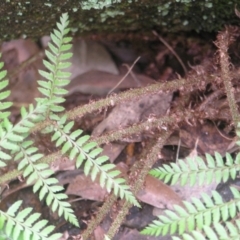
x=17, y=225
x=77, y=146
x=47, y=186
x=56, y=79
x=226, y=231
x=191, y=170
x=196, y=215
x=4, y=93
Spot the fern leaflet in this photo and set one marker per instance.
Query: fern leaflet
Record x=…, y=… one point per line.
x=3, y=94
x=227, y=231
x=24, y=225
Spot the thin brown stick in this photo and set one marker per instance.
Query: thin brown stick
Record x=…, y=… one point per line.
x=171, y=50
x=124, y=77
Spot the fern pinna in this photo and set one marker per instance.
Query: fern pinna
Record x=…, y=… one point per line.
x=15, y=142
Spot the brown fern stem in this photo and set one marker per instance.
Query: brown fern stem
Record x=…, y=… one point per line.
x=224, y=39
x=153, y=123
x=130, y=95
x=103, y=211
x=113, y=136
x=149, y=160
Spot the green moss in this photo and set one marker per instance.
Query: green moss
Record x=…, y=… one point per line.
x=28, y=18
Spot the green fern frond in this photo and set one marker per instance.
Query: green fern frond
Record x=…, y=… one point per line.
x=56, y=78
x=4, y=93
x=21, y=225
x=39, y=174
x=196, y=215
x=226, y=231
x=77, y=146
x=13, y=136
x=191, y=170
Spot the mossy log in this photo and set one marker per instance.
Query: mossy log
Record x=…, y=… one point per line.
x=29, y=18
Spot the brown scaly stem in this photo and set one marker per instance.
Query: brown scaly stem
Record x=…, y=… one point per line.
x=129, y=95
x=15, y=173
x=148, y=125
x=108, y=203
x=103, y=211
x=114, y=136
x=224, y=39
x=150, y=159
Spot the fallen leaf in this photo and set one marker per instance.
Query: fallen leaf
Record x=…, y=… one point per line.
x=88, y=55
x=100, y=83
x=209, y=138
x=155, y=192
x=158, y=194
x=24, y=82
x=99, y=233
x=132, y=112
x=112, y=150
x=83, y=186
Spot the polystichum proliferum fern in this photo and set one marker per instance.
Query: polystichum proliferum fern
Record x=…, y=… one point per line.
x=15, y=141
x=205, y=218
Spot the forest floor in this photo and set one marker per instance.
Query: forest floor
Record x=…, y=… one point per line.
x=163, y=58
